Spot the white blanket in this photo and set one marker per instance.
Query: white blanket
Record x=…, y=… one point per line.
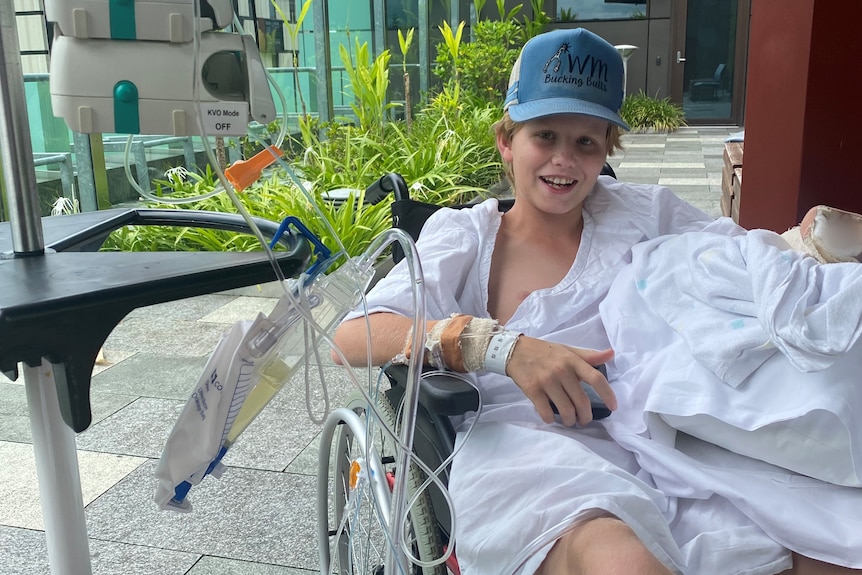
x=755, y=349
x=738, y=300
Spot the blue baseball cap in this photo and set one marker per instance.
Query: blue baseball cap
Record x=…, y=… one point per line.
x=567, y=71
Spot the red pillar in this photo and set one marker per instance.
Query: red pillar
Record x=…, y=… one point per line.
x=803, y=115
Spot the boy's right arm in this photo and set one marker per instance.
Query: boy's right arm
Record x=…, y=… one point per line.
x=388, y=331
x=545, y=371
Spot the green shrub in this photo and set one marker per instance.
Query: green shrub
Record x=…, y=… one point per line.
x=368, y=81
x=568, y=15
x=447, y=155
x=643, y=113
x=274, y=198
x=483, y=64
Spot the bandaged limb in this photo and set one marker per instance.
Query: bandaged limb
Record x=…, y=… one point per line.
x=465, y=344
x=828, y=234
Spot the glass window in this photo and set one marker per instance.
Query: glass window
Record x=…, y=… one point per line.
x=34, y=63
x=349, y=15
x=572, y=10
x=402, y=14
x=31, y=33
x=710, y=50
x=28, y=5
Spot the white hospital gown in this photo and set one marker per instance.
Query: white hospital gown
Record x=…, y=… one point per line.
x=518, y=483
x=755, y=349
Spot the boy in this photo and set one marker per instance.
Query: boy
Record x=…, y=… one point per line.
x=533, y=496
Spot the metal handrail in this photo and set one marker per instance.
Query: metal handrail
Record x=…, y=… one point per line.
x=67, y=171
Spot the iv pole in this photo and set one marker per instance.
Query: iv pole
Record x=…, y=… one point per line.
x=53, y=440
x=19, y=176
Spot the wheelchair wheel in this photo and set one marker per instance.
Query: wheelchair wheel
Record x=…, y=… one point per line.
x=354, y=506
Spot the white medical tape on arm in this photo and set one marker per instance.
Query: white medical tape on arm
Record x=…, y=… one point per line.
x=474, y=342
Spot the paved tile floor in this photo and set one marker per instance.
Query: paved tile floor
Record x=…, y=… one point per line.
x=259, y=518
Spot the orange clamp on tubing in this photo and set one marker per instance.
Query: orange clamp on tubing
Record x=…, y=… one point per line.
x=243, y=173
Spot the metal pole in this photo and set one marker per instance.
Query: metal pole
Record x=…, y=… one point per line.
x=53, y=440
x=16, y=149
x=322, y=59
x=424, y=39
x=378, y=10
x=58, y=475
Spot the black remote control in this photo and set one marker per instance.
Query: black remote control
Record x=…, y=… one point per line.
x=600, y=410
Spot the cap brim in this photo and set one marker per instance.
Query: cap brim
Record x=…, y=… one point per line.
x=550, y=106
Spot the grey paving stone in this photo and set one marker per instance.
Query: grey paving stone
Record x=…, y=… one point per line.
x=644, y=139
x=651, y=163
x=684, y=166
x=271, y=289
x=676, y=156
x=306, y=462
x=247, y=515
x=138, y=429
x=188, y=309
x=15, y=415
x=675, y=182
x=111, y=558
x=683, y=143
x=220, y=566
x=182, y=338
x=275, y=438
x=639, y=176
x=339, y=385
x=682, y=173
x=150, y=375
x=239, y=309
x=695, y=192
x=23, y=552
x=20, y=500
x=653, y=150
x=711, y=207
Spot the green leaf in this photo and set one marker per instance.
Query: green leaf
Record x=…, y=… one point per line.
x=405, y=42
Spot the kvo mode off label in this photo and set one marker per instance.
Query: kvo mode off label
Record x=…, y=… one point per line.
x=225, y=118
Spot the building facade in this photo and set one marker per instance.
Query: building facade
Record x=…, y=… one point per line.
x=691, y=51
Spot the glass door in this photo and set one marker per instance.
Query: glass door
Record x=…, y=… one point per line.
x=708, y=59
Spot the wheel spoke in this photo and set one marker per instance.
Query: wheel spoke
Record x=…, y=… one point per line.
x=360, y=542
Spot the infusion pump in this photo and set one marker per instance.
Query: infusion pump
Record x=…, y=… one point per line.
x=135, y=67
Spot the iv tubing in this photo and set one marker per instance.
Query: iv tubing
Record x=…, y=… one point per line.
x=412, y=261
x=434, y=477
x=406, y=438
x=150, y=196
x=405, y=441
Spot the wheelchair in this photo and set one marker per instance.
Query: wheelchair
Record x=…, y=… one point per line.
x=356, y=465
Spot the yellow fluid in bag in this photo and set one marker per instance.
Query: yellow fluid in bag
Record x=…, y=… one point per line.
x=273, y=376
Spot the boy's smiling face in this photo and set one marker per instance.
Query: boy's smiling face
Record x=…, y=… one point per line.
x=556, y=160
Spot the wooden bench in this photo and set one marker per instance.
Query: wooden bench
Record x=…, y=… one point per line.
x=731, y=180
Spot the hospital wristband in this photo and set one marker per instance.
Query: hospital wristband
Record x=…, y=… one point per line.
x=459, y=343
x=500, y=350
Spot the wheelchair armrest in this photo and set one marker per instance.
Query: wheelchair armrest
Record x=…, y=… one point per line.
x=439, y=393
